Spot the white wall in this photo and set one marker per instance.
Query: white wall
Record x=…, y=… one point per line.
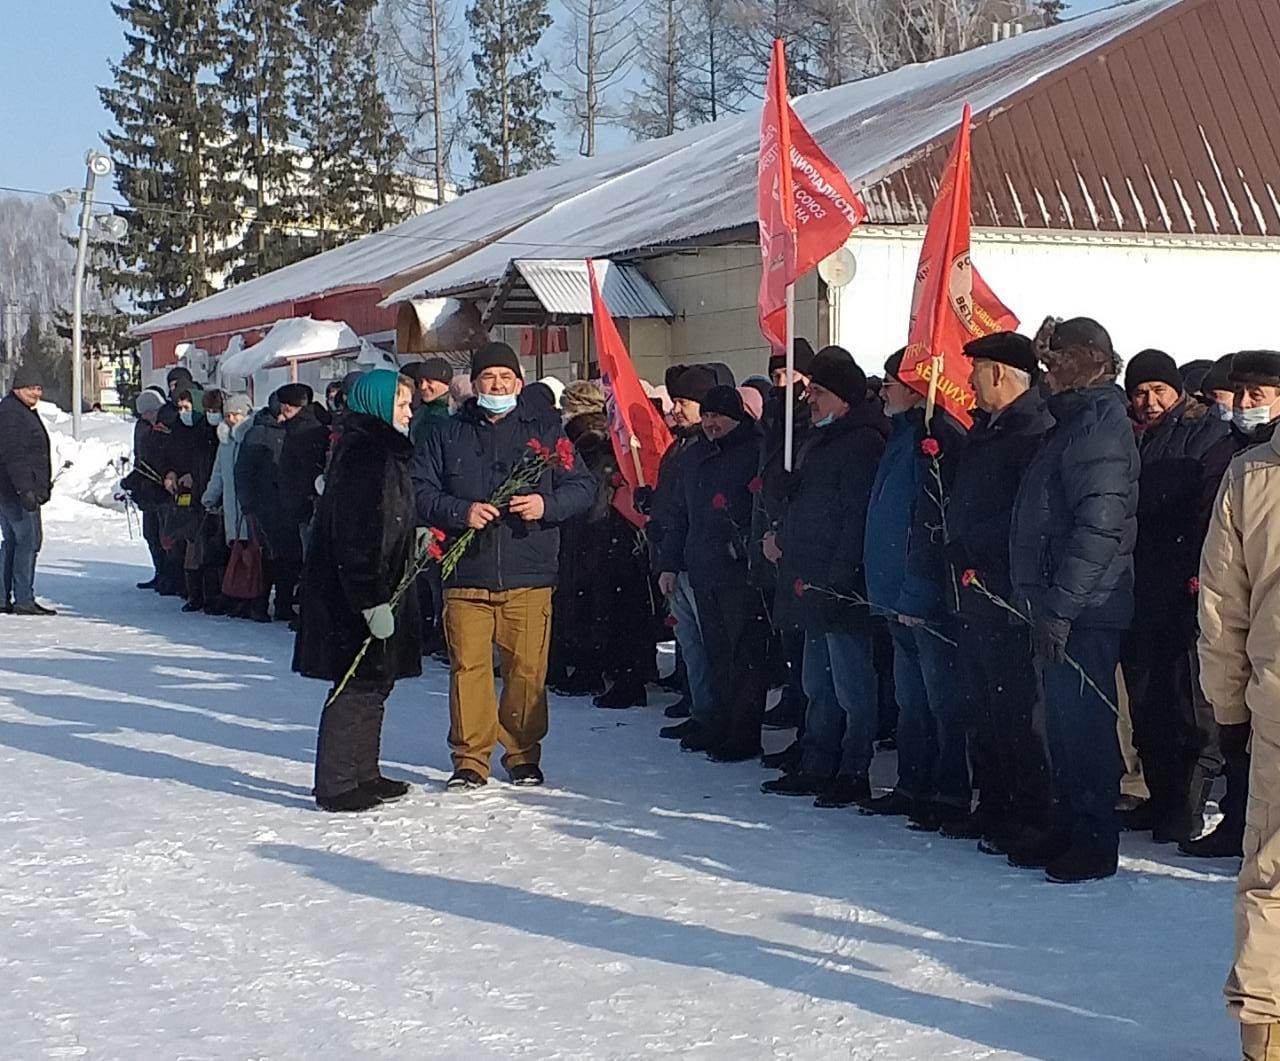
x=1191, y=298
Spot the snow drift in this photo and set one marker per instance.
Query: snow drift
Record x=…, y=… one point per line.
x=98, y=461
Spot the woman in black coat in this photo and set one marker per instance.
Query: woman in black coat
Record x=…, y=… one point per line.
x=361, y=548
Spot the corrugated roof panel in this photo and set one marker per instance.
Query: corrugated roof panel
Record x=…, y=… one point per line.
x=563, y=288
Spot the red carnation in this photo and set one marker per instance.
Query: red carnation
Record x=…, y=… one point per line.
x=616, y=481
x=929, y=447
x=670, y=622
x=564, y=453
x=969, y=577
x=755, y=486
x=434, y=551
x=719, y=502
x=800, y=587
x=1193, y=585
x=438, y=534
x=536, y=445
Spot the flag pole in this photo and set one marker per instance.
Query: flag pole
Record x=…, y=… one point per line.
x=930, y=400
x=788, y=392
x=635, y=458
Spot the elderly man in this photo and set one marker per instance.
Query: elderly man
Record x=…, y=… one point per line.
x=26, y=482
x=500, y=592
x=996, y=676
x=1071, y=559
x=1239, y=600
x=1184, y=452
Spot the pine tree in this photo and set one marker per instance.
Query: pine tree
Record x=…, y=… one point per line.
x=260, y=44
x=169, y=146
x=510, y=135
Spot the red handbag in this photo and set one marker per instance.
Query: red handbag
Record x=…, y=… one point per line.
x=243, y=579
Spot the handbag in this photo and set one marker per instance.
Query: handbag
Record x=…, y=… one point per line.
x=243, y=578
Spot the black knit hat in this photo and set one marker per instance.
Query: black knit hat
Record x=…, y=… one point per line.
x=1193, y=374
x=1152, y=366
x=26, y=376
x=725, y=401
x=433, y=368
x=1218, y=378
x=296, y=394
x=1006, y=348
x=893, y=365
x=495, y=355
x=835, y=369
x=692, y=384
x=179, y=372
x=802, y=355
x=1258, y=367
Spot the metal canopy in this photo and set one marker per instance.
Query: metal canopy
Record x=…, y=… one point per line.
x=543, y=291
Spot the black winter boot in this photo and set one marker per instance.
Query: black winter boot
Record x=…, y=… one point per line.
x=679, y=732
x=682, y=708
x=845, y=790
x=385, y=788
x=1079, y=865
x=357, y=799
x=788, y=759
x=797, y=784
x=891, y=804
x=626, y=692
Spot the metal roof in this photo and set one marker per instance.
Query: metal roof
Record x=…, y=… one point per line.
x=548, y=290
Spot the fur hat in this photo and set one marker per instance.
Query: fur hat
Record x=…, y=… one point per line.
x=495, y=355
x=835, y=370
x=582, y=396
x=692, y=384
x=296, y=394
x=1151, y=366
x=1076, y=353
x=1258, y=367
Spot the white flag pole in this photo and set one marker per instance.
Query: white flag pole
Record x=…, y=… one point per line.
x=789, y=414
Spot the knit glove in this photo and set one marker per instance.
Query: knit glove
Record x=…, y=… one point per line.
x=29, y=501
x=381, y=621
x=1049, y=638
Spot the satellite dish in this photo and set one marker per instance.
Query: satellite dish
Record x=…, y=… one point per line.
x=838, y=269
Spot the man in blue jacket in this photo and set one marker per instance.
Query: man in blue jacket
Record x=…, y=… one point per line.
x=500, y=592
x=1071, y=543
x=906, y=576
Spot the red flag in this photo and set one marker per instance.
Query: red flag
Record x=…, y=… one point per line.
x=806, y=208
x=951, y=304
x=639, y=434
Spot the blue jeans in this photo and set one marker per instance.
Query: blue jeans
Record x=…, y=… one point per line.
x=689, y=636
x=840, y=722
x=22, y=535
x=932, y=763
x=1084, y=751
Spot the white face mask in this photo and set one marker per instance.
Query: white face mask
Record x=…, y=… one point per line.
x=1249, y=420
x=224, y=432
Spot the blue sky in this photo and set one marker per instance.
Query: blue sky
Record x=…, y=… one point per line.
x=53, y=57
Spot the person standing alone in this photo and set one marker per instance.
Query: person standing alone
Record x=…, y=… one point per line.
x=26, y=483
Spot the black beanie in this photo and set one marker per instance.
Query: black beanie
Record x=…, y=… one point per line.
x=1259, y=367
x=893, y=366
x=1006, y=348
x=1218, y=378
x=802, y=354
x=726, y=401
x=495, y=355
x=1193, y=374
x=26, y=376
x=1151, y=366
x=179, y=372
x=835, y=369
x=297, y=394
x=692, y=384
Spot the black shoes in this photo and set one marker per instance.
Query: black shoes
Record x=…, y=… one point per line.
x=357, y=799
x=679, y=731
x=730, y=753
x=797, y=784
x=698, y=740
x=788, y=759
x=526, y=775
x=783, y=715
x=149, y=584
x=465, y=781
x=285, y=615
x=682, y=708
x=580, y=683
x=929, y=816
x=1138, y=819
x=32, y=608
x=622, y=695
x=844, y=790
x=385, y=788
x=891, y=804
x=193, y=606
x=972, y=826
x=1223, y=842
x=1079, y=865
x=1035, y=850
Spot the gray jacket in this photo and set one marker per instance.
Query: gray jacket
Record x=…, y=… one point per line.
x=222, y=484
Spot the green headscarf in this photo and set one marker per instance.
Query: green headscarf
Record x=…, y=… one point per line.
x=374, y=394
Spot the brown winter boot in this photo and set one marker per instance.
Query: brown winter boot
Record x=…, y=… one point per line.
x=1261, y=1042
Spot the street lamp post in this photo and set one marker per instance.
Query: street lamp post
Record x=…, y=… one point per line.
x=96, y=165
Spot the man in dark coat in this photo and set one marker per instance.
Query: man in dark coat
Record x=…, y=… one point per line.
x=820, y=543
x=501, y=590
x=257, y=478
x=362, y=546
x=141, y=487
x=707, y=537
x=431, y=379
x=26, y=483
x=997, y=680
x=1184, y=453
x=907, y=579
x=1071, y=543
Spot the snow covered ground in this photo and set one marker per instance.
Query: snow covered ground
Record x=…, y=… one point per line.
x=168, y=891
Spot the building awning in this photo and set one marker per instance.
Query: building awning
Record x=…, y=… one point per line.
x=438, y=326
x=545, y=291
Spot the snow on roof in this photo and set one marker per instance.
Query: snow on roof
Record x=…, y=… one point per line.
x=293, y=338
x=698, y=182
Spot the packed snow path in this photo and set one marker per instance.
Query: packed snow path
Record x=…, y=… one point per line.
x=167, y=889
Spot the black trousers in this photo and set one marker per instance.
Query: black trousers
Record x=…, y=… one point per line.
x=1173, y=725
x=1008, y=751
x=886, y=694
x=151, y=535
x=431, y=604
x=350, y=740
x=735, y=631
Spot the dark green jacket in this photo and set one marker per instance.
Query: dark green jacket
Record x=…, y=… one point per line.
x=426, y=419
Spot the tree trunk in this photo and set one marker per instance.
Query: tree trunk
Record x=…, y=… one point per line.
x=504, y=81
x=437, y=105
x=590, y=107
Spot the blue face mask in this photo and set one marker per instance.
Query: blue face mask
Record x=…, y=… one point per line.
x=826, y=421
x=187, y=416
x=497, y=404
x=1249, y=420
x=1223, y=412
x=214, y=418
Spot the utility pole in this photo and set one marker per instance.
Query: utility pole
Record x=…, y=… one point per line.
x=10, y=361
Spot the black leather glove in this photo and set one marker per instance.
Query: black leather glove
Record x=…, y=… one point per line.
x=642, y=498
x=1049, y=638
x=29, y=500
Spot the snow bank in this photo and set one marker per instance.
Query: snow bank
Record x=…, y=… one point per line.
x=98, y=461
